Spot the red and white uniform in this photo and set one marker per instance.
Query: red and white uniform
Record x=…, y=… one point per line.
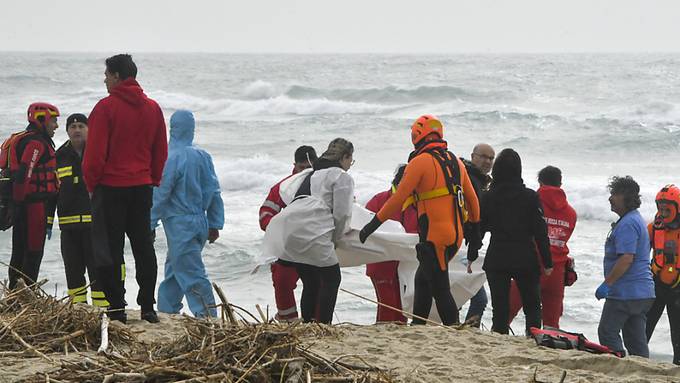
x=284, y=277
x=561, y=220
x=384, y=275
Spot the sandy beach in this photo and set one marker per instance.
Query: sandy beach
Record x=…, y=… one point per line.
x=414, y=354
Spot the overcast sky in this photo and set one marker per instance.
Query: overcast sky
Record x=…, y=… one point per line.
x=318, y=26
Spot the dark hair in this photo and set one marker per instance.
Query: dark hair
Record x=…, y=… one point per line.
x=507, y=168
x=550, y=176
x=338, y=149
x=305, y=153
x=398, y=175
x=628, y=188
x=123, y=65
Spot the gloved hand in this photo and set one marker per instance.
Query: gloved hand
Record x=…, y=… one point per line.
x=472, y=254
x=49, y=233
x=602, y=291
x=369, y=229
x=473, y=237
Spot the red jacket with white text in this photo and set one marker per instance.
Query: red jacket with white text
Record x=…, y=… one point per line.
x=561, y=220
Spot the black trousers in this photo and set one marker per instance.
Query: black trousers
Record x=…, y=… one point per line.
x=117, y=212
x=319, y=291
x=529, y=287
x=28, y=242
x=433, y=282
x=668, y=299
x=76, y=252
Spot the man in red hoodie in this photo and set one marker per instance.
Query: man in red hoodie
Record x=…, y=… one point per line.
x=285, y=277
x=126, y=151
x=384, y=275
x=561, y=220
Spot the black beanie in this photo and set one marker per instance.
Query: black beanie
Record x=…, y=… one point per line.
x=76, y=117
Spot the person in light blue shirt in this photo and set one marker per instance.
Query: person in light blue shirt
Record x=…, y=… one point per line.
x=189, y=204
x=628, y=285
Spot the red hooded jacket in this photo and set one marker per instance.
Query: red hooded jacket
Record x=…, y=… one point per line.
x=127, y=141
x=561, y=220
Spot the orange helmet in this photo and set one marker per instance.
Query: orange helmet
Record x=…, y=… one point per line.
x=424, y=126
x=669, y=194
x=44, y=110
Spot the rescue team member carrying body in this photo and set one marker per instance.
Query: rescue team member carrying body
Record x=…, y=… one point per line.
x=191, y=208
x=384, y=275
x=311, y=225
x=29, y=159
x=561, y=220
x=126, y=151
x=438, y=184
x=285, y=277
x=512, y=213
x=664, y=236
x=75, y=215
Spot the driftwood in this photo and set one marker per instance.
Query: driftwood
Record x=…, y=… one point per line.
x=33, y=323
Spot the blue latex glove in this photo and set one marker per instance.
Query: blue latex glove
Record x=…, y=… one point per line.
x=602, y=291
x=49, y=234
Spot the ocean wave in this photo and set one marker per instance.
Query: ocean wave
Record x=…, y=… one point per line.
x=273, y=106
x=388, y=95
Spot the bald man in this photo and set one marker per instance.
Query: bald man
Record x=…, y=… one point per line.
x=479, y=167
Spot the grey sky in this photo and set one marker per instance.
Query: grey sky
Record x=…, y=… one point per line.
x=314, y=26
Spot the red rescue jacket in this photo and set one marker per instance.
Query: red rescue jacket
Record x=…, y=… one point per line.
x=561, y=220
x=272, y=205
x=33, y=166
x=127, y=141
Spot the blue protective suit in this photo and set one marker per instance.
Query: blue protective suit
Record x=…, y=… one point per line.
x=188, y=202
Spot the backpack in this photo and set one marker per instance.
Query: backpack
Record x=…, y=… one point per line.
x=6, y=200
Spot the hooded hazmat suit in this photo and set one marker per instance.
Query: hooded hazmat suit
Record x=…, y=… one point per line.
x=188, y=202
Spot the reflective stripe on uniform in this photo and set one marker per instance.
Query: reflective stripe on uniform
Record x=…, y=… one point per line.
x=98, y=299
x=266, y=213
x=66, y=171
x=74, y=219
x=79, y=294
x=271, y=205
x=50, y=220
x=288, y=311
x=122, y=272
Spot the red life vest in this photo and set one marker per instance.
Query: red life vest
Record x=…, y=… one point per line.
x=43, y=177
x=665, y=259
x=564, y=340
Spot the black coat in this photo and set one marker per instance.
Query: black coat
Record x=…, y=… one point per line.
x=513, y=214
x=73, y=202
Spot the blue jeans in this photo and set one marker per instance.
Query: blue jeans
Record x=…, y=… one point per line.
x=629, y=317
x=477, y=304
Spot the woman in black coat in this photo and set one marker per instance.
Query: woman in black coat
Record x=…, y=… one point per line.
x=512, y=213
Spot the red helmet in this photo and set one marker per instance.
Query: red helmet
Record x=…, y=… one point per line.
x=424, y=126
x=669, y=194
x=44, y=110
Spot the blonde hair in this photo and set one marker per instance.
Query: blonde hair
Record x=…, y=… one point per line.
x=337, y=149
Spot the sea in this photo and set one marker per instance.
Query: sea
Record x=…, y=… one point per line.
x=592, y=115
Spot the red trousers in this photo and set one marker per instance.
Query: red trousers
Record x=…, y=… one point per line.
x=28, y=242
x=285, y=280
x=385, y=280
x=552, y=295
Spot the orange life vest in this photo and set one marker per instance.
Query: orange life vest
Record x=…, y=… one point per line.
x=665, y=260
x=43, y=178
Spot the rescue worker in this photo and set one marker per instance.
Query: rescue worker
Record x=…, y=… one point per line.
x=664, y=234
x=512, y=213
x=443, y=193
x=189, y=204
x=31, y=160
x=75, y=215
x=478, y=168
x=306, y=232
x=561, y=220
x=384, y=275
x=284, y=278
x=127, y=149
x=628, y=286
